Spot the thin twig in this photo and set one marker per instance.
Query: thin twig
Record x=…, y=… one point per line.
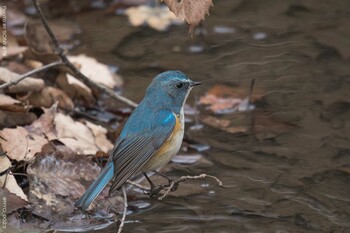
x=184, y=178
x=30, y=73
x=75, y=71
x=122, y=221
x=143, y=188
x=52, y=36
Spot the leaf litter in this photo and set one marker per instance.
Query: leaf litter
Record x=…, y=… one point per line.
x=58, y=154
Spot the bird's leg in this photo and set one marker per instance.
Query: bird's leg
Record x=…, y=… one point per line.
x=154, y=190
x=170, y=180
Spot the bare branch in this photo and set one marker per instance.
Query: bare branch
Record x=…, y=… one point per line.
x=32, y=72
x=75, y=70
x=122, y=221
x=143, y=188
x=52, y=36
x=184, y=178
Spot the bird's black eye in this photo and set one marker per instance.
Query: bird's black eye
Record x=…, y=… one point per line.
x=179, y=85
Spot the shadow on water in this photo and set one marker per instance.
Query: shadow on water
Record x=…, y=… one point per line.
x=291, y=180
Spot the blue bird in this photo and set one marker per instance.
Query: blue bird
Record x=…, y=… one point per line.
x=150, y=138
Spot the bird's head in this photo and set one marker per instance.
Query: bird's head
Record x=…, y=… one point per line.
x=170, y=87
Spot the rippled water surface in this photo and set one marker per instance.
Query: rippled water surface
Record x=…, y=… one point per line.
x=291, y=171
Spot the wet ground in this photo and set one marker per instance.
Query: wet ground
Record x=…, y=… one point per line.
x=293, y=175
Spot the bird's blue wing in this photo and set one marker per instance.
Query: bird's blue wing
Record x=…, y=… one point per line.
x=142, y=136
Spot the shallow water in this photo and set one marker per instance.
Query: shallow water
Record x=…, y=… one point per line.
x=290, y=176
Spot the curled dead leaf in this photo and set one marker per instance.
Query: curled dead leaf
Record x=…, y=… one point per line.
x=7, y=103
x=96, y=71
x=20, y=144
x=47, y=96
x=79, y=137
x=100, y=137
x=74, y=88
x=28, y=84
x=45, y=126
x=56, y=168
x=193, y=11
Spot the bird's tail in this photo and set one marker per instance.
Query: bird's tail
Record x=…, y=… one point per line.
x=96, y=188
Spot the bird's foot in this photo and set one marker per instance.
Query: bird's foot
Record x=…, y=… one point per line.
x=154, y=189
x=171, y=182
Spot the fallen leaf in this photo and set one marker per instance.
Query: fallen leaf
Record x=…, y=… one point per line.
x=28, y=84
x=96, y=71
x=158, y=18
x=9, y=182
x=57, y=177
x=75, y=88
x=47, y=96
x=10, y=201
x=222, y=99
x=77, y=135
x=19, y=144
x=4, y=163
x=12, y=119
x=12, y=47
x=45, y=125
x=7, y=103
x=33, y=64
x=100, y=137
x=13, y=51
x=193, y=11
x=22, y=143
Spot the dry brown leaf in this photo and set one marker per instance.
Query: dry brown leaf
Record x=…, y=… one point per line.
x=96, y=71
x=224, y=99
x=75, y=88
x=11, y=185
x=54, y=170
x=100, y=133
x=45, y=125
x=4, y=163
x=14, y=51
x=7, y=103
x=47, y=96
x=20, y=144
x=28, y=84
x=13, y=202
x=75, y=135
x=193, y=11
x=12, y=119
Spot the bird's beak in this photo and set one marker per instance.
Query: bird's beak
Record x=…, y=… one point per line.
x=192, y=83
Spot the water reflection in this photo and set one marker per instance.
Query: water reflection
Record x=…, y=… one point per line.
x=291, y=172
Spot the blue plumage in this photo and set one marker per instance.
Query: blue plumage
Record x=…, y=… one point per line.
x=97, y=186
x=148, y=134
